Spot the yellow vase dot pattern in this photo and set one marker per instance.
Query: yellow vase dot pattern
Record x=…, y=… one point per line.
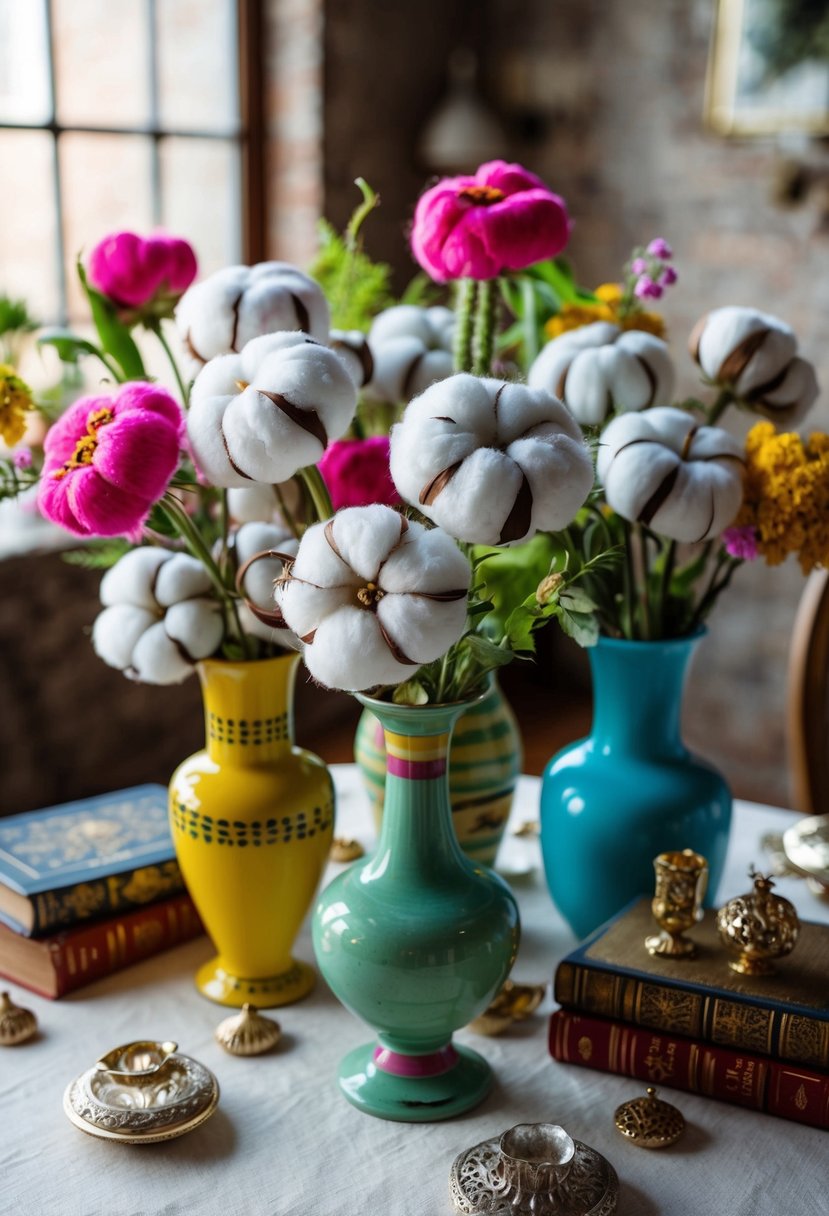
x=247, y=732
x=279, y=829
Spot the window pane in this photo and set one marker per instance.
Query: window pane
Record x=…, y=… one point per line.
x=200, y=198
x=28, y=232
x=102, y=73
x=24, y=62
x=197, y=78
x=106, y=186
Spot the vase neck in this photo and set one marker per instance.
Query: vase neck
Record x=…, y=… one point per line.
x=417, y=838
x=248, y=709
x=637, y=695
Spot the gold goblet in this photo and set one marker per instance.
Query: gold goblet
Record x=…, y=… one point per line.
x=681, y=880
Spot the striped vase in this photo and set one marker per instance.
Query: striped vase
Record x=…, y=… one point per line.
x=416, y=939
x=484, y=764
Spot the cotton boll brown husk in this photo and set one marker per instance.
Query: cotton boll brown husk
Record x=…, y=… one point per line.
x=260, y=578
x=224, y=312
x=490, y=462
x=261, y=415
x=353, y=348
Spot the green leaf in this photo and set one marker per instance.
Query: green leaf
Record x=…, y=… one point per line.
x=487, y=654
x=411, y=692
x=116, y=339
x=68, y=345
x=582, y=627
x=97, y=555
x=573, y=599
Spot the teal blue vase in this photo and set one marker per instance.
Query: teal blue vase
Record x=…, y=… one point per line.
x=631, y=790
x=416, y=939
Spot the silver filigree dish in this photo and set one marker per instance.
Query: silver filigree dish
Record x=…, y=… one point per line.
x=141, y=1093
x=534, y=1169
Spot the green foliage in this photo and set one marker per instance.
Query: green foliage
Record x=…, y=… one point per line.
x=98, y=554
x=15, y=317
x=356, y=287
x=14, y=481
x=532, y=297
x=116, y=340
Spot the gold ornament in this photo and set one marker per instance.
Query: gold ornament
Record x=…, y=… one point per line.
x=16, y=1024
x=759, y=927
x=681, y=879
x=248, y=1033
x=649, y=1122
x=345, y=850
x=513, y=1003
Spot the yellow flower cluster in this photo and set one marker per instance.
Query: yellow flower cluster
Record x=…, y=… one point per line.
x=787, y=495
x=609, y=297
x=15, y=402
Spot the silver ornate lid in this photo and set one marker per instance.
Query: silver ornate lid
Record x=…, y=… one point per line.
x=141, y=1093
x=534, y=1169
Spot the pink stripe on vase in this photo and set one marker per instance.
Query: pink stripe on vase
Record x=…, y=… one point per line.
x=415, y=770
x=434, y=1064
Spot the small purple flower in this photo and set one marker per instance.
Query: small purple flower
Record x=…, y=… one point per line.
x=23, y=458
x=639, y=265
x=659, y=248
x=668, y=277
x=741, y=543
x=646, y=289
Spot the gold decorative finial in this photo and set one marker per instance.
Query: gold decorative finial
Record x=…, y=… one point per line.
x=248, y=1033
x=17, y=1025
x=759, y=927
x=649, y=1122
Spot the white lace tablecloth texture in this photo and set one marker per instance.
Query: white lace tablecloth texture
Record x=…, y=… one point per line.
x=284, y=1143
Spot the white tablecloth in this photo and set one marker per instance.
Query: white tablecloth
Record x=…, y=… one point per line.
x=284, y=1143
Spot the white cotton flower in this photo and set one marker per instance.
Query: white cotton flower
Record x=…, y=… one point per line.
x=755, y=356
x=373, y=596
x=263, y=414
x=158, y=619
x=353, y=348
x=491, y=463
x=411, y=348
x=257, y=502
x=663, y=469
x=221, y=314
x=260, y=577
x=600, y=368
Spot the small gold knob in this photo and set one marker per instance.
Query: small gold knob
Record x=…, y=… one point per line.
x=248, y=1033
x=649, y=1122
x=16, y=1025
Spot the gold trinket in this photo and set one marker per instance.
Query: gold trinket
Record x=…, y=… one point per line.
x=142, y=1093
x=649, y=1122
x=248, y=1033
x=345, y=850
x=529, y=827
x=681, y=880
x=760, y=927
x=16, y=1025
x=513, y=1003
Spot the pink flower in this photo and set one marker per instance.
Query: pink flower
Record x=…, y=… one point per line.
x=132, y=270
x=502, y=218
x=356, y=472
x=668, y=277
x=646, y=289
x=639, y=265
x=741, y=543
x=659, y=248
x=108, y=459
x=23, y=458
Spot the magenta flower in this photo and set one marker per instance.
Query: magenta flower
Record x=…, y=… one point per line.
x=133, y=270
x=741, y=543
x=668, y=277
x=659, y=248
x=639, y=265
x=647, y=289
x=502, y=218
x=356, y=472
x=108, y=459
x=23, y=458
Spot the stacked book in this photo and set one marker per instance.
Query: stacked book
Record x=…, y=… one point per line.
x=87, y=888
x=760, y=1042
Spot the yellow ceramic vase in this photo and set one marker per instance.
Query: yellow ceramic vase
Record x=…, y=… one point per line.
x=252, y=818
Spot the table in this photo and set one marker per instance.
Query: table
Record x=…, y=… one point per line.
x=284, y=1143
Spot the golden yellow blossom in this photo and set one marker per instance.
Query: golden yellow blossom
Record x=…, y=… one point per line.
x=787, y=495
x=606, y=308
x=15, y=402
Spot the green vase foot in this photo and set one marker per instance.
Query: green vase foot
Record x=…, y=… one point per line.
x=414, y=1099
x=214, y=981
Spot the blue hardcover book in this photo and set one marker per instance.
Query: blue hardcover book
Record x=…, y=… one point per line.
x=86, y=859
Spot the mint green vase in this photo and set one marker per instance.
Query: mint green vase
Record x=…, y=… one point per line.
x=416, y=939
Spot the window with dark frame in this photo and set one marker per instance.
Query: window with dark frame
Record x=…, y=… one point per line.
x=141, y=114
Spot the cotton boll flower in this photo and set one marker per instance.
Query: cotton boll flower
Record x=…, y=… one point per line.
x=263, y=414
x=260, y=577
x=221, y=314
x=411, y=348
x=663, y=469
x=257, y=502
x=353, y=348
x=755, y=356
x=373, y=596
x=600, y=368
x=158, y=619
x=490, y=462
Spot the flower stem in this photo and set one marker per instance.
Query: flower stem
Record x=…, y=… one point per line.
x=483, y=335
x=665, y=586
x=184, y=389
x=719, y=407
x=286, y=513
x=464, y=310
x=630, y=582
x=317, y=490
x=645, y=596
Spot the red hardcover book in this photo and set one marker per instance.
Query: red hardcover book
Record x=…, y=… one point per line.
x=725, y=1073
x=62, y=962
